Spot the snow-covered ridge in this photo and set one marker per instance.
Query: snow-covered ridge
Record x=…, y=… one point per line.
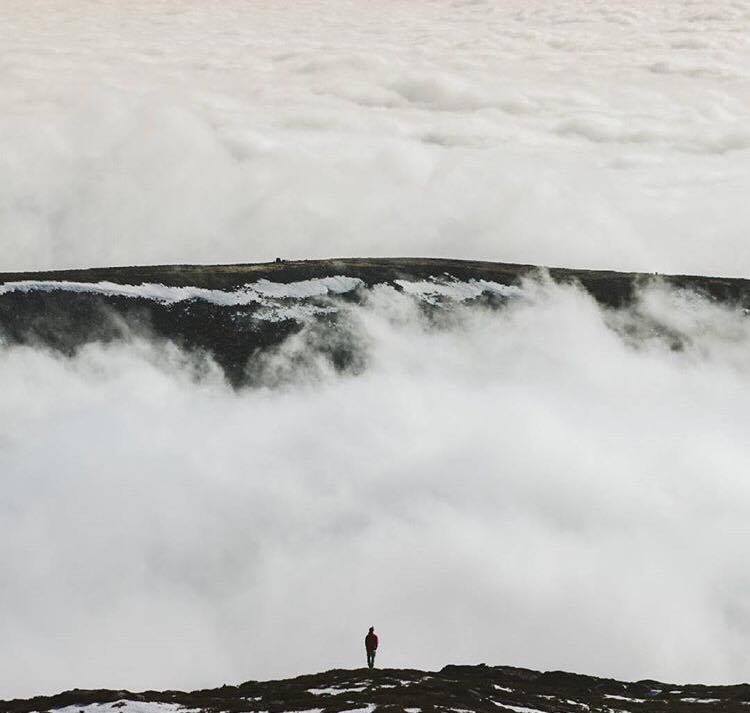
x=264, y=292
x=257, y=292
x=432, y=290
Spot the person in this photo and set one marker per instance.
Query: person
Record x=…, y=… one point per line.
x=371, y=646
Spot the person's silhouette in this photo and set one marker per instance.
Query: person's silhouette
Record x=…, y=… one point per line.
x=371, y=646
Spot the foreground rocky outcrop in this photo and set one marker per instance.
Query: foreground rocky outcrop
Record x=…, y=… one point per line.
x=457, y=689
x=233, y=313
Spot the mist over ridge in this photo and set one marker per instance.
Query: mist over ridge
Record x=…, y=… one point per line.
x=586, y=477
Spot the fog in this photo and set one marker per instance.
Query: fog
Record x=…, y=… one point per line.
x=604, y=134
x=548, y=484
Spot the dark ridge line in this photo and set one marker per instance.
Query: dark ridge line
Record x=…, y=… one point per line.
x=608, y=287
x=65, y=320
x=291, y=269
x=465, y=687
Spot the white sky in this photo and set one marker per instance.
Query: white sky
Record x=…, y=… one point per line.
x=606, y=133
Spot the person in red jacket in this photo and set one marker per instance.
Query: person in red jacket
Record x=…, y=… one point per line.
x=371, y=646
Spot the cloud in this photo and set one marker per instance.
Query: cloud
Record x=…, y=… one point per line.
x=550, y=133
x=547, y=484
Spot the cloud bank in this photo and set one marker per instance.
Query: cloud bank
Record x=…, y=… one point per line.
x=548, y=484
x=606, y=134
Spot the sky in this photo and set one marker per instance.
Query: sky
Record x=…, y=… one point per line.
x=551, y=484
x=605, y=134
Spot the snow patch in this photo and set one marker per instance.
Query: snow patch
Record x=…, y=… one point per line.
x=432, y=291
x=317, y=287
x=251, y=293
x=126, y=706
x=335, y=691
x=518, y=709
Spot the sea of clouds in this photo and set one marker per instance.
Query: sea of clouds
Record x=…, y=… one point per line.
x=605, y=133
x=549, y=484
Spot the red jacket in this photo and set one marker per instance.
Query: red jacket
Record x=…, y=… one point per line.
x=371, y=642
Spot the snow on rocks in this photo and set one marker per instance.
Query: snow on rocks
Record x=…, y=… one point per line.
x=433, y=290
x=252, y=293
x=335, y=691
x=126, y=706
x=263, y=292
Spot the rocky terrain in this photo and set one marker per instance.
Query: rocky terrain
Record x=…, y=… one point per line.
x=609, y=287
x=232, y=312
x=456, y=689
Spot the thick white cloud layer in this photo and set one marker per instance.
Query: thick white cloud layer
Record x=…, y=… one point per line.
x=549, y=485
x=526, y=486
x=592, y=134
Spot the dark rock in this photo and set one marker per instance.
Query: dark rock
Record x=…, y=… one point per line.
x=238, y=338
x=478, y=688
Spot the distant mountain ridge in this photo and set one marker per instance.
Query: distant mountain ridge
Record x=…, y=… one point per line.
x=233, y=313
x=607, y=286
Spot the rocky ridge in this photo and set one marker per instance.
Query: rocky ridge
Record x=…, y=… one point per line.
x=234, y=312
x=454, y=689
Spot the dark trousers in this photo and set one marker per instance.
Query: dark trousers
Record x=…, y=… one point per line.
x=370, y=659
